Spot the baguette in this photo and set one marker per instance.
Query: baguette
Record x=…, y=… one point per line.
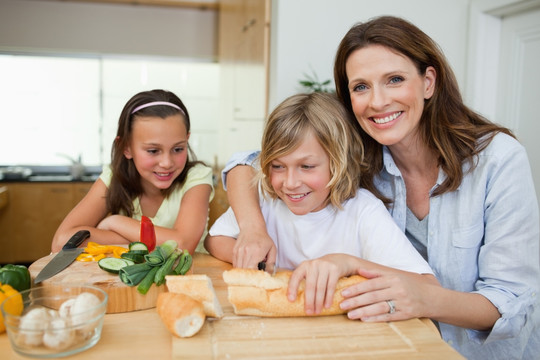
x=200, y=288
x=181, y=314
x=255, y=292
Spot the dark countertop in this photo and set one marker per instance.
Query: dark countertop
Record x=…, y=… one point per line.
x=46, y=174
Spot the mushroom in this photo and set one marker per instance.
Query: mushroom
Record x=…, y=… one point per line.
x=32, y=327
x=58, y=335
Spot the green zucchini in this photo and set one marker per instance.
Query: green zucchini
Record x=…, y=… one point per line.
x=135, y=257
x=138, y=246
x=113, y=265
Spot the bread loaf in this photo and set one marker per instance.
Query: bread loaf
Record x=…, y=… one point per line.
x=181, y=314
x=200, y=288
x=255, y=292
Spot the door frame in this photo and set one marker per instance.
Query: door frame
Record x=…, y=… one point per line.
x=482, y=70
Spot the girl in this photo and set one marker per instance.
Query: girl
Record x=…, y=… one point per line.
x=151, y=174
x=321, y=223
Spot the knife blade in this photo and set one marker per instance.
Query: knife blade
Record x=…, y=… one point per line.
x=268, y=267
x=65, y=257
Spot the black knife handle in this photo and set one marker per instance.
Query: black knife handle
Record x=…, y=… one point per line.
x=76, y=239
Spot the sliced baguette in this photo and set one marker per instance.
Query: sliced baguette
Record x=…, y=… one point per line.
x=254, y=292
x=180, y=313
x=200, y=288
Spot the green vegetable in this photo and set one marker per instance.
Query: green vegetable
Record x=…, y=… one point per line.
x=148, y=280
x=136, y=258
x=166, y=268
x=138, y=246
x=17, y=276
x=133, y=274
x=161, y=253
x=184, y=264
x=113, y=265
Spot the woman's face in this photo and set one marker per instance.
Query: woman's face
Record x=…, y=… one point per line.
x=159, y=149
x=300, y=178
x=387, y=94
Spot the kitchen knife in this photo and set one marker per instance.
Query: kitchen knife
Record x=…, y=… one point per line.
x=65, y=257
x=270, y=268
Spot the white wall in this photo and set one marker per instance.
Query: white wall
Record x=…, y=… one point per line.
x=306, y=33
x=51, y=26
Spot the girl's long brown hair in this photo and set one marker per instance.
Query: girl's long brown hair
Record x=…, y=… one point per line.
x=447, y=126
x=126, y=182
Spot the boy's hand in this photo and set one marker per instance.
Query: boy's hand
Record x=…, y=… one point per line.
x=321, y=276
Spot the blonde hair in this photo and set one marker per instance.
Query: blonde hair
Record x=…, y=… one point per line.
x=325, y=116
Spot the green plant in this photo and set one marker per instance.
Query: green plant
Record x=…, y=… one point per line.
x=313, y=84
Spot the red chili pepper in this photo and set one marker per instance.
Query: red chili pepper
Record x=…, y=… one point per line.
x=148, y=234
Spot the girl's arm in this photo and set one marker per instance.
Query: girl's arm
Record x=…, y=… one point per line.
x=86, y=215
x=187, y=230
x=191, y=221
x=253, y=244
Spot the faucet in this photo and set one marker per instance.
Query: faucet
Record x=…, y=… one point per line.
x=77, y=169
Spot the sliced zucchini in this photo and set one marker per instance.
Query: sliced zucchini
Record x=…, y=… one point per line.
x=133, y=256
x=138, y=246
x=113, y=265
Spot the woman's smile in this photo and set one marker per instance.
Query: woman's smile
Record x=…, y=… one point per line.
x=388, y=93
x=380, y=119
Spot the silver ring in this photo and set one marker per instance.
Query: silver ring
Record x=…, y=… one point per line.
x=392, y=306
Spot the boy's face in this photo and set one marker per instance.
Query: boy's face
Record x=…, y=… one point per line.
x=300, y=177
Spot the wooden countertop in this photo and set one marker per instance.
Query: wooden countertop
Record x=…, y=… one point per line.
x=142, y=335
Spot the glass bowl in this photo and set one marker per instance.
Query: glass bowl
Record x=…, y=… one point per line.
x=56, y=320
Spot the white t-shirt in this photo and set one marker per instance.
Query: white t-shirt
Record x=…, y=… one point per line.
x=363, y=228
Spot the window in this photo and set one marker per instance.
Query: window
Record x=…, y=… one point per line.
x=58, y=107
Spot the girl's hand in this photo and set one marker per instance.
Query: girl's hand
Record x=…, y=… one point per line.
x=107, y=223
x=321, y=276
x=367, y=300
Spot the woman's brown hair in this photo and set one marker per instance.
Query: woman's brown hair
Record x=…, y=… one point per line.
x=447, y=126
x=126, y=182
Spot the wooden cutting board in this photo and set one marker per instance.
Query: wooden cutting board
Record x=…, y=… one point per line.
x=320, y=337
x=122, y=298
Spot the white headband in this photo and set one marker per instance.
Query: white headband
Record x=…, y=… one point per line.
x=158, y=103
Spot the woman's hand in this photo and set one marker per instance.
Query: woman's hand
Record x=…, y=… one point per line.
x=253, y=246
x=321, y=276
x=367, y=300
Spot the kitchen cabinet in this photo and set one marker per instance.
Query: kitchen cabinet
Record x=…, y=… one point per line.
x=243, y=49
x=31, y=216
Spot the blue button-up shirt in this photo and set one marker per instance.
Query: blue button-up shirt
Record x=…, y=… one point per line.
x=484, y=238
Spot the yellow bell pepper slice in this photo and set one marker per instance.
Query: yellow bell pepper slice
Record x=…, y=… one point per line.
x=118, y=251
x=90, y=257
x=96, y=252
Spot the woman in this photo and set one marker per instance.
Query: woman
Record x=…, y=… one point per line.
x=459, y=186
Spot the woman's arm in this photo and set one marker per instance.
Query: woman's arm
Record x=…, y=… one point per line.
x=322, y=274
x=86, y=215
x=415, y=296
x=253, y=244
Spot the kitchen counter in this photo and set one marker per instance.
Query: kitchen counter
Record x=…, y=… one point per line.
x=47, y=174
x=142, y=335
x=50, y=178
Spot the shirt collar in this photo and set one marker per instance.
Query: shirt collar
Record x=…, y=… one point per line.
x=392, y=169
